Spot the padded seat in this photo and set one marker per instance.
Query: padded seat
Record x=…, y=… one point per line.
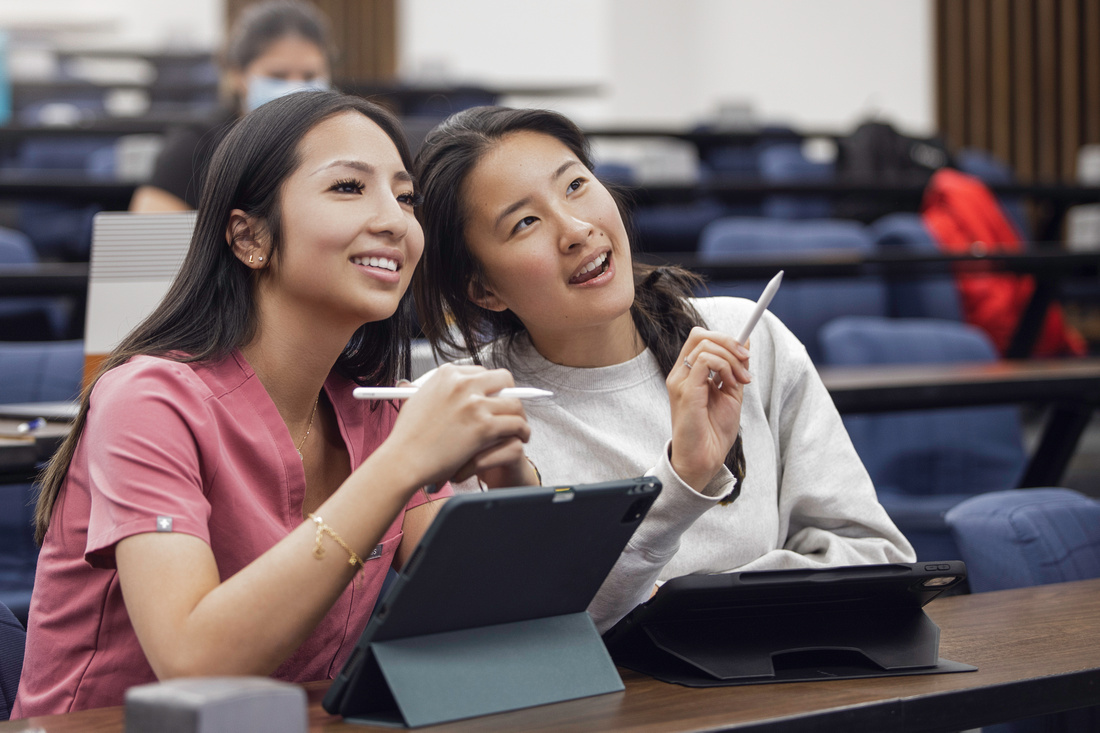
x=924, y=462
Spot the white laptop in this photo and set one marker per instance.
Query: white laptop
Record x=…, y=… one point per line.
x=135, y=257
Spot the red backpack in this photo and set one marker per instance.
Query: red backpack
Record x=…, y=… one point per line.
x=964, y=218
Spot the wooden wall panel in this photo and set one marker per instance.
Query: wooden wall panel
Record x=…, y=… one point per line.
x=978, y=58
x=1021, y=79
x=1090, y=71
x=1000, y=71
x=1069, y=73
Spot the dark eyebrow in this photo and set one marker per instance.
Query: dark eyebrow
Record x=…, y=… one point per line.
x=523, y=202
x=510, y=210
x=365, y=168
x=563, y=168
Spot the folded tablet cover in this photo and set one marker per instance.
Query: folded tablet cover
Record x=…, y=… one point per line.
x=497, y=559
x=789, y=625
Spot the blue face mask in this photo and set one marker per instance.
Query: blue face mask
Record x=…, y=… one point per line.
x=263, y=89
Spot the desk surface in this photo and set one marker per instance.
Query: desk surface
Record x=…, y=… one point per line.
x=1035, y=649
x=924, y=386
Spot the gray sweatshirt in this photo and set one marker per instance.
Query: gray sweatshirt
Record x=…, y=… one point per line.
x=806, y=501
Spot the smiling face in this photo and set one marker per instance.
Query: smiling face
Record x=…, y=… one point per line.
x=350, y=240
x=550, y=242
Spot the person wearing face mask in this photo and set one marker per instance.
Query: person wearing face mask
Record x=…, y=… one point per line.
x=274, y=48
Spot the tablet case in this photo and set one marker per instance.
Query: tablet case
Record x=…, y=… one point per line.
x=489, y=613
x=789, y=625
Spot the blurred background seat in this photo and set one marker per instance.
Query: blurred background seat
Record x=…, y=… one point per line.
x=1025, y=537
x=803, y=305
x=28, y=318
x=32, y=372
x=787, y=163
x=13, y=639
x=61, y=230
x=921, y=297
x=925, y=462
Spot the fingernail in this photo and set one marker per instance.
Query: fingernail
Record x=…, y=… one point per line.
x=741, y=351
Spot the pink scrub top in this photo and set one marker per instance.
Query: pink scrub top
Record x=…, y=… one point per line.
x=193, y=448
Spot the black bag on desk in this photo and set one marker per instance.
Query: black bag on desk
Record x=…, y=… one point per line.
x=789, y=625
x=876, y=153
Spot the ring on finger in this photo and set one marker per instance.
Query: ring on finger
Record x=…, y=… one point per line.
x=687, y=364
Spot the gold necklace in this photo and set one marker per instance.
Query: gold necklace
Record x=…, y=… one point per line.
x=310, y=427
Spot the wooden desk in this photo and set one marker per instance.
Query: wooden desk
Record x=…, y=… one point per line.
x=1035, y=649
x=20, y=456
x=1070, y=386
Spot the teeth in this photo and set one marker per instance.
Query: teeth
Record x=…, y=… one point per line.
x=382, y=262
x=598, y=262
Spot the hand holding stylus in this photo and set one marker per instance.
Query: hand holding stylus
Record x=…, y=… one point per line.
x=705, y=389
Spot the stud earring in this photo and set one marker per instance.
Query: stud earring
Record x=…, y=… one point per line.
x=250, y=256
x=261, y=258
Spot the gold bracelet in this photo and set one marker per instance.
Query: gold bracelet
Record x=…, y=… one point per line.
x=319, y=549
x=535, y=468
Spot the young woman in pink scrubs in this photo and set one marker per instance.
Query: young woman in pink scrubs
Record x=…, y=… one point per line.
x=223, y=505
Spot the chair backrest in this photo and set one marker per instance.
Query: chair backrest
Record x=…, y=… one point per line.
x=43, y=371
x=1024, y=537
x=786, y=163
x=923, y=297
x=989, y=169
x=16, y=248
x=949, y=451
x=26, y=318
x=13, y=640
x=675, y=227
x=40, y=371
x=804, y=306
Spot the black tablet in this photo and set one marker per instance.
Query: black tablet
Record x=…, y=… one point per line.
x=498, y=586
x=789, y=625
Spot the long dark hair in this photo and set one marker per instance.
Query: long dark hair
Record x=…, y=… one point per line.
x=453, y=323
x=209, y=309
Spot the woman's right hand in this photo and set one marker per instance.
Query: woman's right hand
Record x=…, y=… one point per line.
x=453, y=427
x=705, y=389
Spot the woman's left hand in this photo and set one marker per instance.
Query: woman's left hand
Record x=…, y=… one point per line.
x=705, y=389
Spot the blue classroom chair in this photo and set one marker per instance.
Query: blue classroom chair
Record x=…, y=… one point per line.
x=923, y=463
x=1025, y=537
x=786, y=163
x=29, y=372
x=13, y=640
x=934, y=296
x=803, y=305
x=63, y=230
x=990, y=169
x=27, y=318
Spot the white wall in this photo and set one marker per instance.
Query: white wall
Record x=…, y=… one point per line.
x=810, y=63
x=815, y=64
x=143, y=24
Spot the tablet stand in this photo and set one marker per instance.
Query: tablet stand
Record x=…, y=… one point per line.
x=786, y=644
x=423, y=680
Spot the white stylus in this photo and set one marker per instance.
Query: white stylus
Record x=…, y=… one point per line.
x=761, y=306
x=404, y=393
